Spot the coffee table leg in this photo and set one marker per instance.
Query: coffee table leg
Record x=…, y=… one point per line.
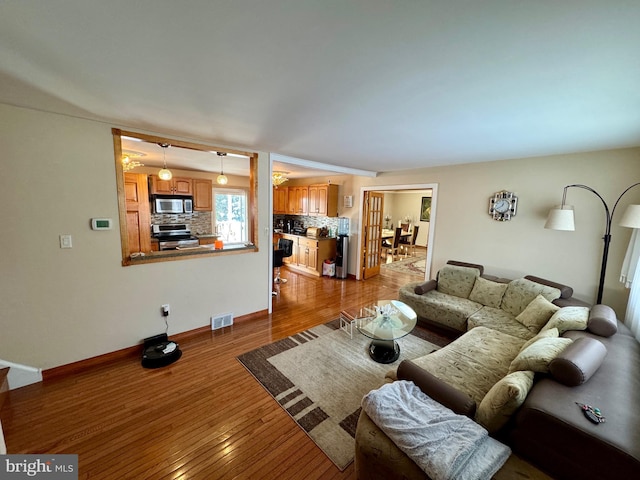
x=384, y=351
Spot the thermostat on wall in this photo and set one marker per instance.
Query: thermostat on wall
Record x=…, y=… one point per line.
x=101, y=224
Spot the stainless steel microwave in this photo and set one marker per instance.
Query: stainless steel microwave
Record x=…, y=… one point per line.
x=172, y=205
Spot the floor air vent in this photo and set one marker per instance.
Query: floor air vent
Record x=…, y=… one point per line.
x=220, y=321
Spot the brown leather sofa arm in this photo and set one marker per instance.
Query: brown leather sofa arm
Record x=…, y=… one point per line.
x=438, y=390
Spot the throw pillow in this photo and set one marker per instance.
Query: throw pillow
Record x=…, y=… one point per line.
x=602, y=320
x=578, y=362
x=521, y=291
x=488, y=293
x=569, y=318
x=504, y=398
x=537, y=313
x=538, y=355
x=550, y=333
x=457, y=281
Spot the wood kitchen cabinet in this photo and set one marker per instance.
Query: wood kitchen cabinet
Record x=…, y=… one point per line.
x=175, y=186
x=309, y=253
x=323, y=200
x=298, y=198
x=202, y=195
x=280, y=200
x=138, y=213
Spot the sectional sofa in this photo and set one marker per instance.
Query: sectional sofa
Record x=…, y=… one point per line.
x=529, y=358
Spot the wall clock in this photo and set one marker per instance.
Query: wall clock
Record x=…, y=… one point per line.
x=503, y=205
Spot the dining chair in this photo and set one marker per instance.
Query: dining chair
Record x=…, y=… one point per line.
x=394, y=245
x=410, y=244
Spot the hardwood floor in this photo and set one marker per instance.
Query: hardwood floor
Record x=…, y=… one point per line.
x=203, y=417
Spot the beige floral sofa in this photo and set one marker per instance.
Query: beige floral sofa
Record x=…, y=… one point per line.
x=531, y=336
x=462, y=297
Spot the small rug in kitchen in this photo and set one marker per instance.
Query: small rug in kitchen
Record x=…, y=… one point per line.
x=319, y=377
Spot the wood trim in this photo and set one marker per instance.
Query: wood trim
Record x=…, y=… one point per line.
x=252, y=212
x=130, y=352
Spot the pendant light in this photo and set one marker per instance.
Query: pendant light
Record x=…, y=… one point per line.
x=165, y=173
x=222, y=178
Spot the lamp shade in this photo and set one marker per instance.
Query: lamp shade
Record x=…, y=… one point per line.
x=561, y=218
x=631, y=217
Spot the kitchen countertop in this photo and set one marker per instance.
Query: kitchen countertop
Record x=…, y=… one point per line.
x=305, y=236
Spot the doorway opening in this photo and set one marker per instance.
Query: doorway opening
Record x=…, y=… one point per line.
x=374, y=216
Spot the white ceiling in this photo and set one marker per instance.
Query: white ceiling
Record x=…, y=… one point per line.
x=377, y=85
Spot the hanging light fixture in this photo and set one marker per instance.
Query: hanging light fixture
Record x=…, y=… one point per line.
x=278, y=178
x=222, y=178
x=165, y=173
x=128, y=163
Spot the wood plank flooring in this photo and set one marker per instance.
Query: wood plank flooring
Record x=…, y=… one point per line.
x=203, y=417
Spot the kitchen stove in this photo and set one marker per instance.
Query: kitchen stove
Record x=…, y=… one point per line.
x=173, y=236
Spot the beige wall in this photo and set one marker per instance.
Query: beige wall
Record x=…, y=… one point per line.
x=60, y=306
x=465, y=231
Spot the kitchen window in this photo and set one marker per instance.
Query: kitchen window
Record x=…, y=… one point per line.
x=230, y=215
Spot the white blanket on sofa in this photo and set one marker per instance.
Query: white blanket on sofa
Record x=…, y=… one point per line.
x=445, y=445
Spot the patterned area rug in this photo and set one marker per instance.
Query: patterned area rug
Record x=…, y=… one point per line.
x=319, y=377
x=410, y=265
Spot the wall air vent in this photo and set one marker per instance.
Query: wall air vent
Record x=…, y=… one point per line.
x=219, y=321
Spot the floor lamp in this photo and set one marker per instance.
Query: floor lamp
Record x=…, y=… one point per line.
x=561, y=218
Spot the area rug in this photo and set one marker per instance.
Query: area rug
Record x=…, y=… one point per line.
x=319, y=377
x=410, y=265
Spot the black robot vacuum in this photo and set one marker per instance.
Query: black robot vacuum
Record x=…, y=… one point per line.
x=159, y=351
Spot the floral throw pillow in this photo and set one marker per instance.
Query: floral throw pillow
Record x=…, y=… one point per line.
x=488, y=293
x=537, y=313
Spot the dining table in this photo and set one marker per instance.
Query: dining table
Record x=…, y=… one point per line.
x=388, y=233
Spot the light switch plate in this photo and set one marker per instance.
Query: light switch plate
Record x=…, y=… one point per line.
x=65, y=241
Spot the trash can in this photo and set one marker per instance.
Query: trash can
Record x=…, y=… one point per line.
x=329, y=268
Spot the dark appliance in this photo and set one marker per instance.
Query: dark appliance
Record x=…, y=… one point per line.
x=173, y=236
x=158, y=351
x=342, y=248
x=342, y=256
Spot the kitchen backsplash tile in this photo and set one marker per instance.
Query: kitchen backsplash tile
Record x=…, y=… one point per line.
x=199, y=222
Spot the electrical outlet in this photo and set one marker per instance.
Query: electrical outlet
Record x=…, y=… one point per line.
x=166, y=309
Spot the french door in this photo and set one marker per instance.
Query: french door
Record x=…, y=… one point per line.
x=371, y=235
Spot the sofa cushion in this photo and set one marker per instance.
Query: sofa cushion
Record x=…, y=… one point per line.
x=550, y=333
x=456, y=280
x=474, y=362
x=578, y=362
x=537, y=356
x=499, y=320
x=487, y=293
x=569, y=318
x=447, y=310
x=521, y=291
x=537, y=313
x=602, y=320
x=503, y=399
x=437, y=389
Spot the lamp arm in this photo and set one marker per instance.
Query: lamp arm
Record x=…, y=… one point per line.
x=606, y=207
x=616, y=204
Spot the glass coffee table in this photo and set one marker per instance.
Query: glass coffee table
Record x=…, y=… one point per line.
x=384, y=322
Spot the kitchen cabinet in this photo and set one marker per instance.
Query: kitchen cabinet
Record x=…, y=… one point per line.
x=138, y=213
x=175, y=186
x=202, y=195
x=323, y=200
x=309, y=253
x=298, y=198
x=280, y=200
